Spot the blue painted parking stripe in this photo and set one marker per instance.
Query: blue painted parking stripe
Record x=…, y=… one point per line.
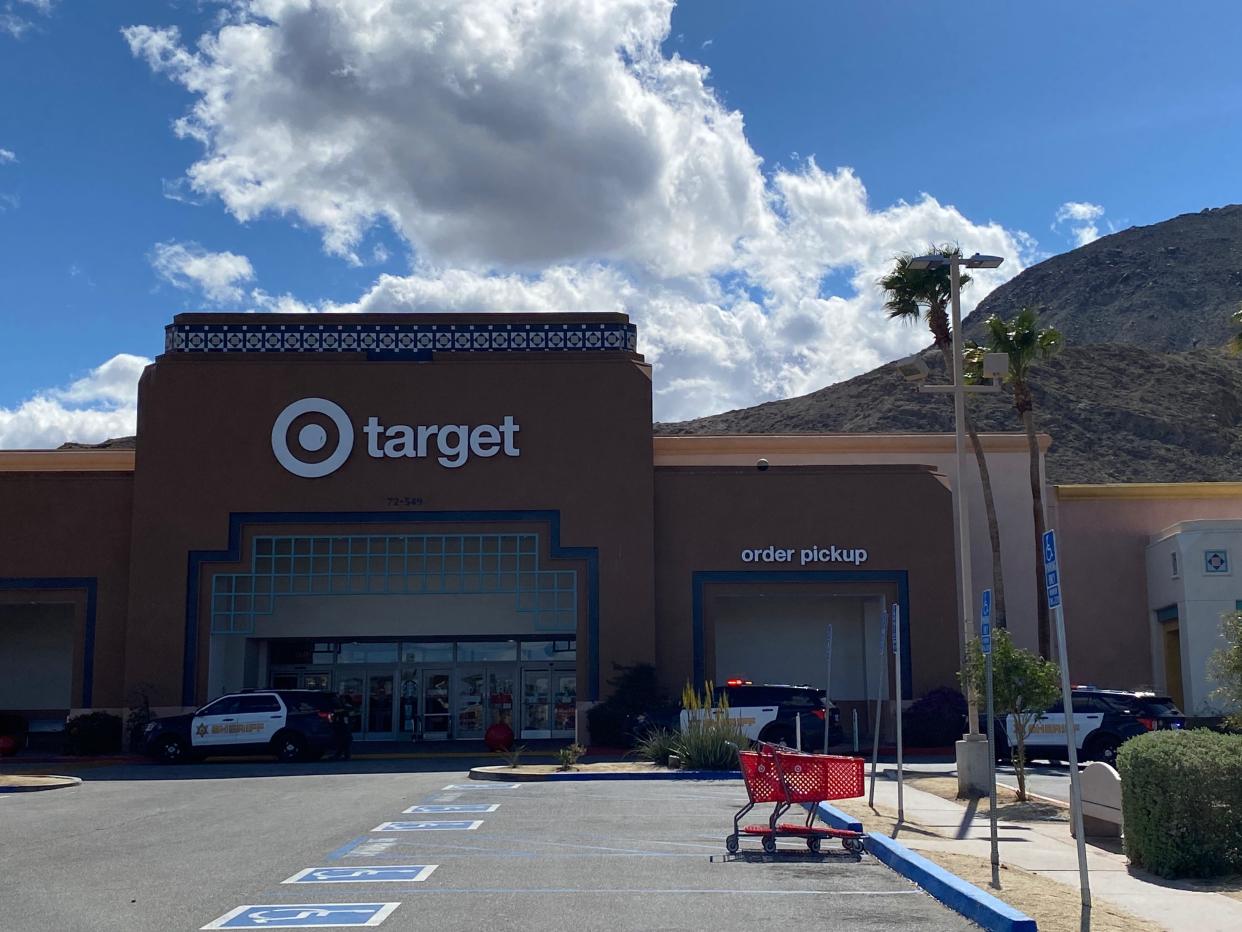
x=304, y=916
x=387, y=873
x=346, y=848
x=486, y=785
x=437, y=826
x=464, y=807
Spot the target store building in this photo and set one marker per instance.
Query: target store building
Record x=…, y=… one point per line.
x=456, y=520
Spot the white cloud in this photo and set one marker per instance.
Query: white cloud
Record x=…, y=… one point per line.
x=547, y=155
x=101, y=404
x=216, y=274
x=13, y=19
x=7, y=156
x=1080, y=217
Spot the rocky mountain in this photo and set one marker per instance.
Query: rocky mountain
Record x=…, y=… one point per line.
x=1143, y=391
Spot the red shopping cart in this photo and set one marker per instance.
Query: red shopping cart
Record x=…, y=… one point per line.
x=775, y=774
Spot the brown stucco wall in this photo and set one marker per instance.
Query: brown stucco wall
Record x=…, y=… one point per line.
x=902, y=515
x=73, y=524
x=204, y=451
x=1103, y=536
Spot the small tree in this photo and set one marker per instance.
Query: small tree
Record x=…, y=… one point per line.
x=1024, y=685
x=1225, y=666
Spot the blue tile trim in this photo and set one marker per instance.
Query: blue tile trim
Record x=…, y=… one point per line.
x=91, y=585
x=402, y=340
x=702, y=578
x=961, y=897
x=233, y=554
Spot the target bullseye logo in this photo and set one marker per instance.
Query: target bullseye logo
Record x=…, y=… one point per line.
x=312, y=438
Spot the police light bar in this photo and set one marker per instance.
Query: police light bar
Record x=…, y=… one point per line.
x=736, y=682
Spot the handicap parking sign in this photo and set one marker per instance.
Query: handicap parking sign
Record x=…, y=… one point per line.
x=439, y=826
x=463, y=807
x=1050, y=548
x=388, y=873
x=304, y=916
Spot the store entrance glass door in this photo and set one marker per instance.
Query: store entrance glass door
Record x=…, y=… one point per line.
x=380, y=707
x=536, y=710
x=564, y=703
x=437, y=715
x=470, y=707
x=408, y=708
x=500, y=696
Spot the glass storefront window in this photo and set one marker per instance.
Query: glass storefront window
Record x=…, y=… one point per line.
x=468, y=651
x=362, y=652
x=540, y=650
x=426, y=652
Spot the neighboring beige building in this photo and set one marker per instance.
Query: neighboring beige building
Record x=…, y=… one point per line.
x=1190, y=585
x=1131, y=623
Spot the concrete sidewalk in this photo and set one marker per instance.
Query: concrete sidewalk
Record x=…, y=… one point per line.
x=1046, y=849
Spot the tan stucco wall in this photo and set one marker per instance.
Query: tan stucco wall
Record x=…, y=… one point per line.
x=1103, y=534
x=1008, y=465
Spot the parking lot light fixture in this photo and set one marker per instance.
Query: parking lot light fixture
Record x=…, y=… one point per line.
x=971, y=755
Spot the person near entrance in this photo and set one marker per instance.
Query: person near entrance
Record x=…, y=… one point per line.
x=342, y=735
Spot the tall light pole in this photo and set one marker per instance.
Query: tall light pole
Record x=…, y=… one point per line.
x=972, y=750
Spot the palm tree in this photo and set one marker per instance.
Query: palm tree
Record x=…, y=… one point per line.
x=1025, y=344
x=911, y=294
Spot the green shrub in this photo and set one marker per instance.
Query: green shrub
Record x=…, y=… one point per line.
x=710, y=739
x=93, y=733
x=568, y=756
x=656, y=745
x=1181, y=801
x=513, y=756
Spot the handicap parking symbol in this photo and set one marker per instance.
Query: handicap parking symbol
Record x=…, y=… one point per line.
x=463, y=807
x=304, y=916
x=439, y=826
x=388, y=873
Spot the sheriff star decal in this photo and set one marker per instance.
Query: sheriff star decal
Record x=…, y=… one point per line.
x=201, y=731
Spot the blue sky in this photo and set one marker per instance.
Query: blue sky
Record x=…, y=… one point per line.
x=533, y=167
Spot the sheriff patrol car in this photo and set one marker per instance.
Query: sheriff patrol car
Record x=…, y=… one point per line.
x=768, y=713
x=292, y=724
x=1103, y=720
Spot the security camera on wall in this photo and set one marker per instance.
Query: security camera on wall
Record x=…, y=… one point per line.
x=761, y=464
x=912, y=369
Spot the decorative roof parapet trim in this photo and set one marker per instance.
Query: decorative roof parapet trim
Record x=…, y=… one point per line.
x=398, y=340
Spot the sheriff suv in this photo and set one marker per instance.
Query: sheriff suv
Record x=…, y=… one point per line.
x=1103, y=720
x=770, y=712
x=291, y=724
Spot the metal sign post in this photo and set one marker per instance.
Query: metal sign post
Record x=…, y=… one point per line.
x=828, y=694
x=1052, y=579
x=985, y=642
x=879, y=700
x=901, y=808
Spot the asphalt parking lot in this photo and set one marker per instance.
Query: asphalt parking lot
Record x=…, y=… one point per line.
x=137, y=848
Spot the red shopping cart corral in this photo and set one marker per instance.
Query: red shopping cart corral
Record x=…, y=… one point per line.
x=778, y=775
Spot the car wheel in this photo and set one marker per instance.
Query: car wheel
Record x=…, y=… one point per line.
x=172, y=750
x=1104, y=748
x=289, y=747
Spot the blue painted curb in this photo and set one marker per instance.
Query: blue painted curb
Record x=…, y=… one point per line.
x=574, y=776
x=834, y=817
x=949, y=889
